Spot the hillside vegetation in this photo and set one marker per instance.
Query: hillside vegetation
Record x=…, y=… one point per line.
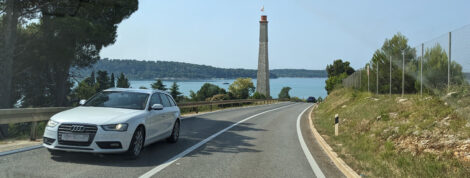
x=390, y=136
x=149, y=70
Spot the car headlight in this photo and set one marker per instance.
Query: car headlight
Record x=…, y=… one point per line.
x=115, y=127
x=52, y=123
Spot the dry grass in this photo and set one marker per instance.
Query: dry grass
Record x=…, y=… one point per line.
x=389, y=136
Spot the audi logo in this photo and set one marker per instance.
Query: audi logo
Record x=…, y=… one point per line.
x=77, y=128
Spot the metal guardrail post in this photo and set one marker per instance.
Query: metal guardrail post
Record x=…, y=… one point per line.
x=33, y=133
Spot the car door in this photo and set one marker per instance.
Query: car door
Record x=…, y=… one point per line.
x=168, y=110
x=156, y=119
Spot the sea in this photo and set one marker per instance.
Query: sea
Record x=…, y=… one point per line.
x=301, y=87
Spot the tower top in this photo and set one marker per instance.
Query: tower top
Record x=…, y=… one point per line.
x=264, y=18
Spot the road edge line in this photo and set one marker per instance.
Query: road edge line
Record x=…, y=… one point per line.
x=313, y=164
x=20, y=150
x=339, y=163
x=175, y=158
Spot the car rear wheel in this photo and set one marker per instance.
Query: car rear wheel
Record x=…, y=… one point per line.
x=175, y=133
x=137, y=143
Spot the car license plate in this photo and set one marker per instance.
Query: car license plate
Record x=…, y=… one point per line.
x=75, y=137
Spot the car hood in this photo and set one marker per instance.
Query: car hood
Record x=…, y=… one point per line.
x=96, y=115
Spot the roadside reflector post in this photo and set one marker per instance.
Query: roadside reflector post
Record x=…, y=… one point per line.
x=336, y=124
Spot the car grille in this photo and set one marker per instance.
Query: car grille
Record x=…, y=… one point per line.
x=72, y=128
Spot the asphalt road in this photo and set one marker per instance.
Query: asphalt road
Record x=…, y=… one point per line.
x=258, y=141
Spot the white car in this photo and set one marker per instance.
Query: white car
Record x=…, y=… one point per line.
x=115, y=120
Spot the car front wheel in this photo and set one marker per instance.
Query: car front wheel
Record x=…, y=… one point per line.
x=137, y=143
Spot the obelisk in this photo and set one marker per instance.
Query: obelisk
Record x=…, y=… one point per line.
x=262, y=80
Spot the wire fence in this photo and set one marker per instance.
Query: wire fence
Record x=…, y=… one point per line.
x=438, y=66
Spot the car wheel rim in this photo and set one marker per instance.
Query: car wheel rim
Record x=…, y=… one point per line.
x=176, y=133
x=138, y=142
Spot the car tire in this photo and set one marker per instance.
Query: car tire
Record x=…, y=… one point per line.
x=137, y=143
x=175, y=133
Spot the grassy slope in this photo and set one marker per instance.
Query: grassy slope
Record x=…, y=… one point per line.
x=381, y=136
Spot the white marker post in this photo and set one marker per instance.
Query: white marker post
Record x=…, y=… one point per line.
x=336, y=124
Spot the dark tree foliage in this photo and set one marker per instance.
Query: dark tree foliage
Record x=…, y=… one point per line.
x=284, y=93
x=206, y=91
x=123, y=82
x=112, y=82
x=67, y=34
x=158, y=85
x=145, y=70
x=336, y=73
x=338, y=67
x=174, y=91
x=102, y=80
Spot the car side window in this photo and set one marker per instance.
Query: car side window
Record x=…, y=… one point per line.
x=172, y=102
x=165, y=101
x=155, y=100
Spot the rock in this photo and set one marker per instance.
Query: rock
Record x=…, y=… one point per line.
x=416, y=133
x=379, y=117
x=402, y=100
x=467, y=125
x=393, y=115
x=344, y=106
x=451, y=94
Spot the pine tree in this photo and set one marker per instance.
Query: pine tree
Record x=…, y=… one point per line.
x=123, y=82
x=158, y=85
x=174, y=91
x=112, y=84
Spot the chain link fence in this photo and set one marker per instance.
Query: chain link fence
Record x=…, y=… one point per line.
x=440, y=66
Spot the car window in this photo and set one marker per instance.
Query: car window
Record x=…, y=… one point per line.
x=115, y=99
x=166, y=102
x=155, y=100
x=172, y=102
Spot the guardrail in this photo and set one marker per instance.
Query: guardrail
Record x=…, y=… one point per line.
x=22, y=115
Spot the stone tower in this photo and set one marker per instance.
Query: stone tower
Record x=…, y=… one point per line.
x=262, y=81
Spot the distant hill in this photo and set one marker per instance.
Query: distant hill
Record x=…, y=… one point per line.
x=149, y=70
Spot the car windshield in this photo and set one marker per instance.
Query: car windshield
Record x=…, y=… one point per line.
x=127, y=100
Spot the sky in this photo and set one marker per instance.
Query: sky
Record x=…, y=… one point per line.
x=303, y=34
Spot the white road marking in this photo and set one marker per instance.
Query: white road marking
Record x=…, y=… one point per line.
x=20, y=150
x=192, y=148
x=313, y=164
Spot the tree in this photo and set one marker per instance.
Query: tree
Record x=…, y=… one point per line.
x=336, y=73
x=435, y=66
x=338, y=67
x=284, y=94
x=103, y=80
x=142, y=87
x=319, y=99
x=207, y=91
x=158, y=85
x=123, y=82
x=241, y=88
x=84, y=91
x=174, y=91
x=258, y=95
x=112, y=83
x=393, y=48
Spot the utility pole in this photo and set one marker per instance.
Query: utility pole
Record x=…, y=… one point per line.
x=448, y=64
x=421, y=70
x=403, y=76
x=368, y=83
x=390, y=89
x=377, y=81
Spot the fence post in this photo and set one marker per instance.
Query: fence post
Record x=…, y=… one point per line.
x=390, y=84
x=377, y=82
x=33, y=133
x=448, y=64
x=368, y=82
x=403, y=76
x=422, y=58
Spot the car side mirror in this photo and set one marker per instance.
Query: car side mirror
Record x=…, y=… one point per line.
x=82, y=102
x=157, y=107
